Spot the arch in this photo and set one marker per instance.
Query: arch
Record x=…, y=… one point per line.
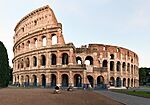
x=90, y=80
x=54, y=39
x=44, y=41
x=43, y=78
x=128, y=67
x=43, y=60
x=65, y=80
x=128, y=82
x=28, y=44
x=53, y=80
x=124, y=82
x=131, y=69
x=123, y=66
x=104, y=63
x=132, y=82
x=111, y=56
x=34, y=61
x=111, y=65
x=22, y=61
x=27, y=62
x=53, y=59
x=77, y=80
x=89, y=60
x=34, y=80
x=35, y=42
x=27, y=81
x=118, y=82
x=100, y=81
x=78, y=60
x=118, y=66
x=65, y=59
x=112, y=81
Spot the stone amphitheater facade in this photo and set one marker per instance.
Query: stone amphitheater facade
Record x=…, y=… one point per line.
x=39, y=61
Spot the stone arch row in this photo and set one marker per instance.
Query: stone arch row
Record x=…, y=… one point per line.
x=42, y=80
x=124, y=82
x=26, y=62
x=124, y=66
x=37, y=42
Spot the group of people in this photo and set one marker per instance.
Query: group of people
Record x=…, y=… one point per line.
x=57, y=89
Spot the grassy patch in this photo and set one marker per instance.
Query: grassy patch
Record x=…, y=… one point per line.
x=134, y=92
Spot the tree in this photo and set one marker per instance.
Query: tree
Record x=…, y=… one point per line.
x=4, y=66
x=142, y=75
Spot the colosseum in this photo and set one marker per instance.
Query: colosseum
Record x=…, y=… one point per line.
x=43, y=59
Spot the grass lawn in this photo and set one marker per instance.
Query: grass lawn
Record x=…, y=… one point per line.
x=134, y=92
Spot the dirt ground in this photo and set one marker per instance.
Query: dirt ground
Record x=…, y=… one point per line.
x=46, y=97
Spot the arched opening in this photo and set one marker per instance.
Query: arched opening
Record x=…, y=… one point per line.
x=21, y=63
x=77, y=80
x=34, y=61
x=132, y=82
x=104, y=63
x=128, y=82
x=128, y=67
x=111, y=65
x=43, y=60
x=78, y=60
x=118, y=82
x=100, y=81
x=43, y=80
x=89, y=60
x=44, y=41
x=35, y=42
x=118, y=66
x=112, y=81
x=124, y=82
x=34, y=80
x=54, y=39
x=90, y=81
x=65, y=80
x=27, y=62
x=27, y=81
x=124, y=66
x=53, y=80
x=111, y=56
x=28, y=44
x=53, y=59
x=131, y=69
x=65, y=59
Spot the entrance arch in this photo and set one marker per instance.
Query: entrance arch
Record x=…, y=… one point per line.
x=53, y=80
x=100, y=81
x=112, y=81
x=118, y=82
x=77, y=80
x=26, y=80
x=90, y=80
x=65, y=80
x=43, y=77
x=34, y=80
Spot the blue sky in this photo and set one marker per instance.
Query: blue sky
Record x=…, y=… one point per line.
x=124, y=23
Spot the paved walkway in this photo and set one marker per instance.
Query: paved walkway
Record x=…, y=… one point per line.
x=126, y=99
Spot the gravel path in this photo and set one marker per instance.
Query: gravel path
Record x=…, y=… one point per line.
x=46, y=97
x=126, y=99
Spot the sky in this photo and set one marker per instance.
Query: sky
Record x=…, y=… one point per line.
x=124, y=23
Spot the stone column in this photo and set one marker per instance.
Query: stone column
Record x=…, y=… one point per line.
x=58, y=79
x=59, y=58
x=70, y=78
x=71, y=57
